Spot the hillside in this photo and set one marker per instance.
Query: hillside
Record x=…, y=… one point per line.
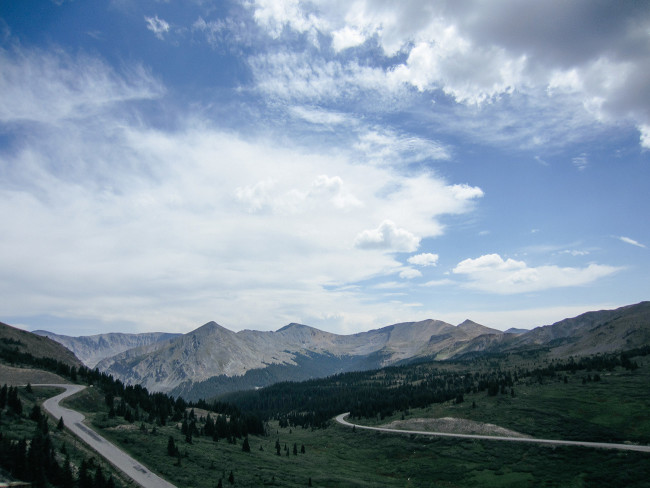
x=595, y=332
x=37, y=346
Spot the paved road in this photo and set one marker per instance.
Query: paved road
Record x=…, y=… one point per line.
x=114, y=455
x=602, y=445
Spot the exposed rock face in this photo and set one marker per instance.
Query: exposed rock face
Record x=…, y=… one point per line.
x=212, y=350
x=92, y=349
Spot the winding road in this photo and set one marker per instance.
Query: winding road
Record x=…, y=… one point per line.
x=601, y=445
x=114, y=455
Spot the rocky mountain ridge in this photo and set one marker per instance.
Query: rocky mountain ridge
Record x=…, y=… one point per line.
x=213, y=359
x=92, y=349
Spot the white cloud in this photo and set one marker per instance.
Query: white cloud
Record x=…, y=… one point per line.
x=491, y=273
x=644, y=129
x=315, y=115
x=167, y=229
x=384, y=146
x=52, y=87
x=580, y=162
x=387, y=237
x=477, y=54
x=627, y=240
x=424, y=259
x=409, y=273
x=347, y=37
x=575, y=252
x=158, y=26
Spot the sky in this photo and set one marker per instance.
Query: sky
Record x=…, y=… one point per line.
x=341, y=164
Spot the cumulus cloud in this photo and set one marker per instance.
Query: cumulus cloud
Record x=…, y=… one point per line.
x=158, y=26
x=475, y=53
x=491, y=273
x=409, y=273
x=424, y=259
x=387, y=237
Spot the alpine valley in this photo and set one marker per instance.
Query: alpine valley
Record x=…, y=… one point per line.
x=213, y=360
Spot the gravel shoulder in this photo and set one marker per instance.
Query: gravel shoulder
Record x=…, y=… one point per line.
x=452, y=425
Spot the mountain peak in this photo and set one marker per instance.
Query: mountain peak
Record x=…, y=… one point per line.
x=292, y=326
x=468, y=323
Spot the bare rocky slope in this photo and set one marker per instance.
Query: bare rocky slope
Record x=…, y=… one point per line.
x=293, y=352
x=596, y=332
x=92, y=349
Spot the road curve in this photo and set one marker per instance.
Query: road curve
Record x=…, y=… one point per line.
x=601, y=445
x=113, y=454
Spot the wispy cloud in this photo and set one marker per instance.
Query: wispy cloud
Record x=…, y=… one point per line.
x=580, y=162
x=158, y=26
x=195, y=219
x=628, y=240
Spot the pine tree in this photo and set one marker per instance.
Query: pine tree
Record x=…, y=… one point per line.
x=3, y=396
x=67, y=479
x=172, y=450
x=246, y=446
x=60, y=425
x=231, y=478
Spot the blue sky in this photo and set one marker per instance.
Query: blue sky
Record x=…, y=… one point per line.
x=343, y=164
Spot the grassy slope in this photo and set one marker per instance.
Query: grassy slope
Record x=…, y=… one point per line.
x=339, y=457
x=616, y=409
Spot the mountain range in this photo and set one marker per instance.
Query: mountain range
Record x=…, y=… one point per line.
x=212, y=359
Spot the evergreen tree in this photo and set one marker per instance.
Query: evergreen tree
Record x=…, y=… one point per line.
x=100, y=481
x=302, y=449
x=295, y=449
x=84, y=480
x=172, y=450
x=60, y=425
x=231, y=478
x=3, y=396
x=67, y=479
x=246, y=446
